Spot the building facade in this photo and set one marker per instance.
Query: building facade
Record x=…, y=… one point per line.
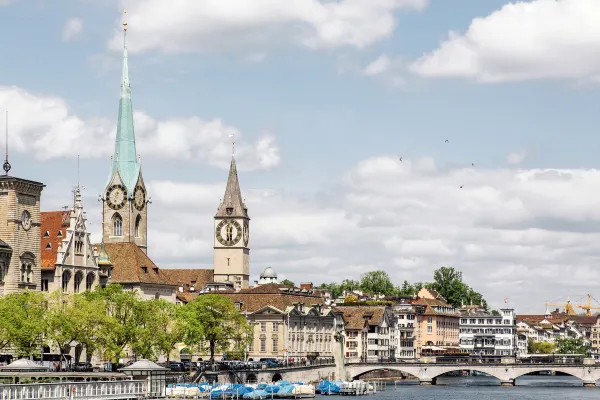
x=369, y=333
x=404, y=314
x=69, y=260
x=20, y=264
x=437, y=324
x=486, y=333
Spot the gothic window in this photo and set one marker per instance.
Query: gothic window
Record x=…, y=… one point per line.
x=66, y=278
x=89, y=281
x=138, y=220
x=78, y=280
x=117, y=225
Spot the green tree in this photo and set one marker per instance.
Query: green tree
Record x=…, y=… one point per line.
x=571, y=346
x=377, y=282
x=287, y=282
x=25, y=321
x=534, y=347
x=211, y=321
x=350, y=285
x=167, y=325
x=123, y=314
x=334, y=289
x=447, y=281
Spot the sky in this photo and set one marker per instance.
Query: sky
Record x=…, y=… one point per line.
x=399, y=135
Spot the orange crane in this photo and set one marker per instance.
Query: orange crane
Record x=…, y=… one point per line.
x=568, y=306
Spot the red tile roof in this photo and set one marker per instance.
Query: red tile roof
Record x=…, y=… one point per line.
x=132, y=265
x=198, y=278
x=52, y=222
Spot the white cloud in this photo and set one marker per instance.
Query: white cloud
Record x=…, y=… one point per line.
x=379, y=65
x=41, y=123
x=72, y=29
x=218, y=25
x=528, y=235
x=540, y=39
x=516, y=157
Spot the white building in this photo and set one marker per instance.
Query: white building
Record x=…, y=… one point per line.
x=404, y=319
x=486, y=333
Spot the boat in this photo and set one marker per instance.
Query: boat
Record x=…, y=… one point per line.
x=303, y=391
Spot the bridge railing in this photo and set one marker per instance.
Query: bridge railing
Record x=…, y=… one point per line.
x=75, y=390
x=468, y=361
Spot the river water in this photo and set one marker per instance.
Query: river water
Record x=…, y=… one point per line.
x=487, y=388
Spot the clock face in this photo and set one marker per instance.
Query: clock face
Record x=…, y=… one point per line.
x=26, y=220
x=139, y=198
x=246, y=233
x=116, y=196
x=229, y=232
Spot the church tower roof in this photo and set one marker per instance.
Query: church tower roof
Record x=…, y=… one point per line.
x=124, y=160
x=232, y=204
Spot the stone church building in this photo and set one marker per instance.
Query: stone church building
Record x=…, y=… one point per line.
x=52, y=250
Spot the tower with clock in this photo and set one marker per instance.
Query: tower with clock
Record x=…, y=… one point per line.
x=124, y=199
x=232, y=235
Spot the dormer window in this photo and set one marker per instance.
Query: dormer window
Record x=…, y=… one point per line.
x=47, y=234
x=59, y=234
x=48, y=246
x=145, y=269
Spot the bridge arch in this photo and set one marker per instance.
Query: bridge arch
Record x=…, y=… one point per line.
x=577, y=373
x=474, y=368
x=398, y=369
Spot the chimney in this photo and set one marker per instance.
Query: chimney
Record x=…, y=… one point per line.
x=306, y=285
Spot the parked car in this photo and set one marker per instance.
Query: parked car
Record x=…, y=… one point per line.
x=83, y=367
x=176, y=366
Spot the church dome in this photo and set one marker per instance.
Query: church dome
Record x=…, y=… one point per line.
x=268, y=273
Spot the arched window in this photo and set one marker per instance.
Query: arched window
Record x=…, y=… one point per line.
x=66, y=278
x=89, y=281
x=138, y=220
x=117, y=225
x=78, y=280
x=27, y=262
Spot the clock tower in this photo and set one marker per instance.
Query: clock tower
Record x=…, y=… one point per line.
x=232, y=233
x=124, y=210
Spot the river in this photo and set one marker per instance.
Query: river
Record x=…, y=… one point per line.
x=486, y=388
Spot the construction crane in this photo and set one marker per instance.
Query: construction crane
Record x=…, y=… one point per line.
x=569, y=307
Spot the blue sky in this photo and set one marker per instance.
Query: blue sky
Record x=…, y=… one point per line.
x=514, y=91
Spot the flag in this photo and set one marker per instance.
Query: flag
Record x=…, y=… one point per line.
x=506, y=300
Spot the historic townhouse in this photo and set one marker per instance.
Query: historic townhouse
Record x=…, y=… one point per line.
x=69, y=261
x=369, y=332
x=437, y=328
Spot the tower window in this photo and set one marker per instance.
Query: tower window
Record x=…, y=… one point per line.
x=138, y=220
x=117, y=225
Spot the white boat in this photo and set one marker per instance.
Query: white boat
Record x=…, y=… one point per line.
x=303, y=391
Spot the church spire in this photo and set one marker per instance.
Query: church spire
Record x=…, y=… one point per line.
x=124, y=160
x=232, y=204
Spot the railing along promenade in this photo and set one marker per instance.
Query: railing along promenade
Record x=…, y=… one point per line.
x=101, y=390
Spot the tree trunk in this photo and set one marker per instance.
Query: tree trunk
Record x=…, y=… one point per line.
x=212, y=351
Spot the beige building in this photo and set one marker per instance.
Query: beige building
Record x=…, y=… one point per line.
x=69, y=261
x=595, y=335
x=437, y=325
x=20, y=235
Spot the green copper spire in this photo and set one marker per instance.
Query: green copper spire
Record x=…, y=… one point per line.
x=124, y=160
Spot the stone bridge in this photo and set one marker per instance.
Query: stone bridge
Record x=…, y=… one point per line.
x=506, y=373
x=313, y=373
